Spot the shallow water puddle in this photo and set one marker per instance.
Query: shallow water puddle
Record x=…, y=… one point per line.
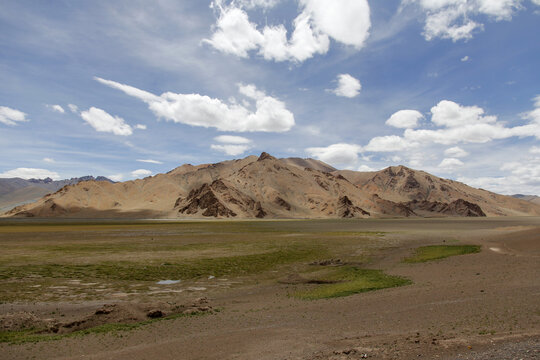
x=167, y=282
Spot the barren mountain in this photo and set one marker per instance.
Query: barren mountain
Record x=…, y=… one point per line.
x=532, y=198
x=266, y=187
x=17, y=191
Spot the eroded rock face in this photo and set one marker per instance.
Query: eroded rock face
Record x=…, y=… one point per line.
x=205, y=199
x=346, y=209
x=218, y=200
x=458, y=207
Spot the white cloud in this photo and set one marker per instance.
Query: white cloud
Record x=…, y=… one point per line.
x=535, y=149
x=537, y=2
x=389, y=143
x=56, y=108
x=140, y=173
x=458, y=124
x=405, y=119
x=455, y=152
x=140, y=127
x=522, y=176
x=450, y=164
x=102, y=121
x=48, y=160
x=11, y=116
x=265, y=4
x=346, y=21
x=336, y=154
x=231, y=149
x=452, y=19
x=230, y=139
x=150, y=161
x=270, y=114
x=73, y=108
x=365, y=168
x=116, y=177
x=465, y=58
x=348, y=86
x=30, y=173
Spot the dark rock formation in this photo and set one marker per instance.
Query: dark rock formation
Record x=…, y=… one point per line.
x=346, y=209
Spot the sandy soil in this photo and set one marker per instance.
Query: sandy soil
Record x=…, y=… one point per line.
x=479, y=306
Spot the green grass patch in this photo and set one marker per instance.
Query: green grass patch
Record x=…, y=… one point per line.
x=189, y=269
x=351, y=280
x=428, y=253
x=37, y=335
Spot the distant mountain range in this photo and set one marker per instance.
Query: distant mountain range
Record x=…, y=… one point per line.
x=266, y=187
x=17, y=191
x=532, y=198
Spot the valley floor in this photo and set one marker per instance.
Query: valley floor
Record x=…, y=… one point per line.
x=244, y=281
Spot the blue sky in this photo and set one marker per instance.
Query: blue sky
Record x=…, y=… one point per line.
x=126, y=89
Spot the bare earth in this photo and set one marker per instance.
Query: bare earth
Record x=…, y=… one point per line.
x=476, y=306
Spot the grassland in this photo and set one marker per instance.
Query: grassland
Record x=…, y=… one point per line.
x=72, y=261
x=349, y=280
x=435, y=252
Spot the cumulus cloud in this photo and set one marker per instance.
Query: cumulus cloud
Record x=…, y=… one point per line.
x=535, y=149
x=230, y=139
x=231, y=149
x=405, y=119
x=450, y=164
x=270, y=114
x=365, y=168
x=453, y=19
x=522, y=176
x=140, y=173
x=389, y=143
x=150, y=161
x=102, y=121
x=9, y=116
x=30, y=173
x=345, y=21
x=56, y=108
x=48, y=160
x=231, y=145
x=140, y=127
x=73, y=108
x=458, y=124
x=455, y=152
x=348, y=86
x=336, y=154
x=465, y=58
x=116, y=177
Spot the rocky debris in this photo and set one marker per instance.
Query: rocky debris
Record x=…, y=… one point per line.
x=282, y=203
x=458, y=207
x=260, y=211
x=155, y=314
x=346, y=209
x=24, y=320
x=328, y=262
x=265, y=156
x=388, y=207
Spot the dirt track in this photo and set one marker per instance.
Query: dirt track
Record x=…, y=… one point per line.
x=478, y=306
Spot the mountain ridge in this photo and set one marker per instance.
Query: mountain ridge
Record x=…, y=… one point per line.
x=267, y=187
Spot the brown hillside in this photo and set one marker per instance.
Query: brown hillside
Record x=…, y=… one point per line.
x=266, y=187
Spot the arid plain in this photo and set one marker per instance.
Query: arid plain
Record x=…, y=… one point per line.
x=277, y=289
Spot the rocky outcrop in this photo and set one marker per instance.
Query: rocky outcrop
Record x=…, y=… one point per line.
x=346, y=209
x=388, y=207
x=219, y=199
x=458, y=207
x=205, y=199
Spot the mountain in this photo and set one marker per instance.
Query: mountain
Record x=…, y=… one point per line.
x=532, y=198
x=17, y=191
x=266, y=187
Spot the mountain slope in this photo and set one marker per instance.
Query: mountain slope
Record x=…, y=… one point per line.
x=266, y=187
x=422, y=191
x=17, y=191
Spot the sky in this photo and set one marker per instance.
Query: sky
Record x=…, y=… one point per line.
x=131, y=88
